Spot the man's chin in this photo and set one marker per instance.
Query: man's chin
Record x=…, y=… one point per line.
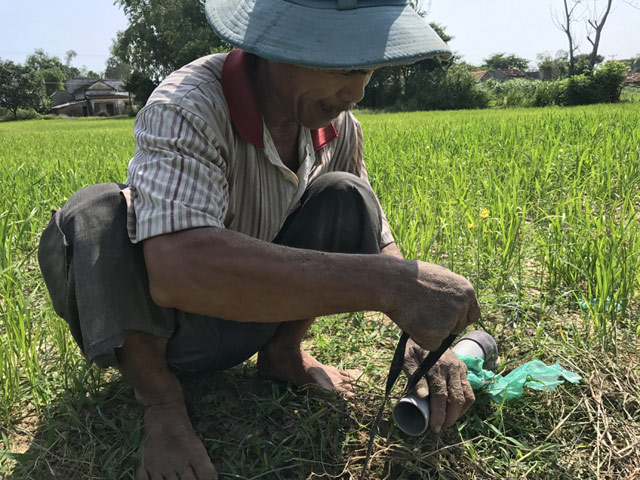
x=323, y=121
x=327, y=113
x=316, y=125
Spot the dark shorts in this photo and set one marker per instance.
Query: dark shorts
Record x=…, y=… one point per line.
x=98, y=281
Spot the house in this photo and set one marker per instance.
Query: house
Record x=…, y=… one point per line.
x=484, y=75
x=632, y=80
x=513, y=73
x=84, y=97
x=502, y=75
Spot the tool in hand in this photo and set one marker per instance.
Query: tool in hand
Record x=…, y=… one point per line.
x=412, y=413
x=394, y=373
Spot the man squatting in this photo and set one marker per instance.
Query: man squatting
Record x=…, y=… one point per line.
x=247, y=213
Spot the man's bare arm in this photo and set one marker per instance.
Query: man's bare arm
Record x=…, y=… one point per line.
x=226, y=274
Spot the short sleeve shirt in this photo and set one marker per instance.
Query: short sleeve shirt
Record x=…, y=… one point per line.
x=204, y=158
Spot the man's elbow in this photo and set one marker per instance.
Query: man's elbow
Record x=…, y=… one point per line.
x=163, y=276
x=161, y=295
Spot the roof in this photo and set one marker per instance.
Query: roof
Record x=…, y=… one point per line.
x=117, y=84
x=62, y=105
x=79, y=84
x=61, y=96
x=478, y=75
x=484, y=75
x=89, y=95
x=632, y=79
x=513, y=73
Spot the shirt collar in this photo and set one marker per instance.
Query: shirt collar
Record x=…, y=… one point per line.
x=243, y=107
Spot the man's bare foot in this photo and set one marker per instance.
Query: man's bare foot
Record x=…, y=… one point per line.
x=170, y=448
x=300, y=368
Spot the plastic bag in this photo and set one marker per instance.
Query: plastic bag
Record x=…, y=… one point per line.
x=534, y=374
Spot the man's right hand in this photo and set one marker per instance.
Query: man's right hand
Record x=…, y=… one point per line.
x=433, y=303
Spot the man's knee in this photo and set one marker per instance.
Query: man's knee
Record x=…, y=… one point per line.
x=95, y=276
x=53, y=261
x=338, y=213
x=95, y=210
x=89, y=211
x=341, y=187
x=344, y=197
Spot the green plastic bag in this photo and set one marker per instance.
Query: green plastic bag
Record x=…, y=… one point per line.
x=534, y=374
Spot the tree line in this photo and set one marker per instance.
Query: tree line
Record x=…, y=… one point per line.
x=163, y=35
x=30, y=86
x=151, y=53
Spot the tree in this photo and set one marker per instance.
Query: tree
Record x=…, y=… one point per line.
x=634, y=64
x=597, y=22
x=583, y=63
x=53, y=79
x=558, y=67
x=117, y=69
x=163, y=35
x=425, y=85
x=54, y=72
x=51, y=69
x=441, y=31
x=85, y=72
x=576, y=10
x=499, y=61
x=553, y=68
x=140, y=86
x=21, y=87
x=69, y=56
x=450, y=88
x=600, y=86
x=609, y=79
x=40, y=60
x=571, y=12
x=393, y=87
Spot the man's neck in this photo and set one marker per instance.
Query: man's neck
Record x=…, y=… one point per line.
x=276, y=113
x=283, y=128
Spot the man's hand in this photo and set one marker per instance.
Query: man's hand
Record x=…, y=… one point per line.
x=450, y=394
x=431, y=302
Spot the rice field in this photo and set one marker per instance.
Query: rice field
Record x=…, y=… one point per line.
x=539, y=208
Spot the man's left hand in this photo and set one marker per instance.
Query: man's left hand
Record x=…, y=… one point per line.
x=446, y=384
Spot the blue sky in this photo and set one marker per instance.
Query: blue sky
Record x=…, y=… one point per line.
x=480, y=28
x=86, y=26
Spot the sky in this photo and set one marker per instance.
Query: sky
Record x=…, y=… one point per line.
x=525, y=27
x=56, y=26
x=480, y=28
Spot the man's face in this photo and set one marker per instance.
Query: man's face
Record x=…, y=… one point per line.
x=314, y=97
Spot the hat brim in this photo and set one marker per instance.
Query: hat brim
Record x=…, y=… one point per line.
x=325, y=38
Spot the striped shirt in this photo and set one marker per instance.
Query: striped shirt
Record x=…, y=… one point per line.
x=204, y=158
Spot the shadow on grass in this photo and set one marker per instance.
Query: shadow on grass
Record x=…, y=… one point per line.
x=252, y=428
x=88, y=435
x=257, y=429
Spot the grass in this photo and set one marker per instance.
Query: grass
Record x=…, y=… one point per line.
x=630, y=95
x=538, y=207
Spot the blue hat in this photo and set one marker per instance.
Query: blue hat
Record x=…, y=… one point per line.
x=327, y=33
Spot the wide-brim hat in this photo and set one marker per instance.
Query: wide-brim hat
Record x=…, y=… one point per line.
x=343, y=34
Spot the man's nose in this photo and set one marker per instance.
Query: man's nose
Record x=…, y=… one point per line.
x=353, y=89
